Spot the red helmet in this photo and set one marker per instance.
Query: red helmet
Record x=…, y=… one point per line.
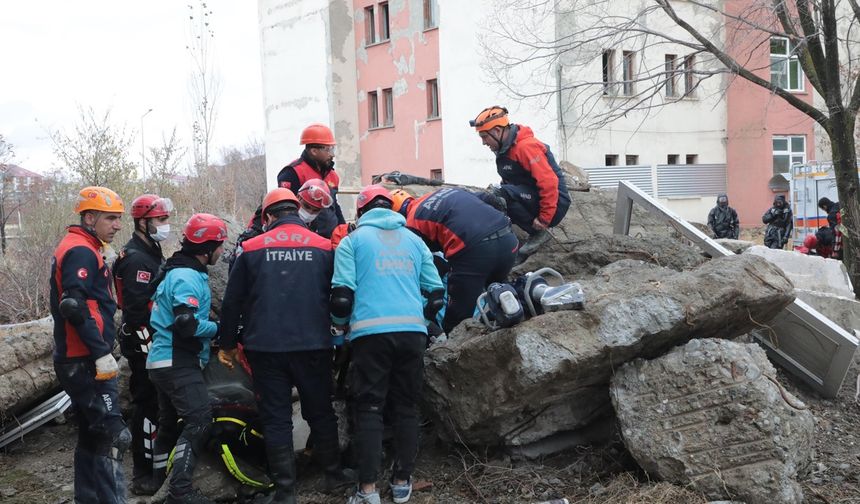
x=317, y=134
x=150, y=205
x=316, y=193
x=204, y=227
x=810, y=242
x=371, y=193
x=278, y=195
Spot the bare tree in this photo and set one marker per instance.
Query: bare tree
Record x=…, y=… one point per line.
x=164, y=162
x=204, y=84
x=723, y=37
x=96, y=152
x=10, y=199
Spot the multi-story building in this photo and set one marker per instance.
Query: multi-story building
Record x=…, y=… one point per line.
x=398, y=80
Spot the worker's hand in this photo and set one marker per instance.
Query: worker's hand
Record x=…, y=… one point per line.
x=537, y=224
x=106, y=368
x=228, y=357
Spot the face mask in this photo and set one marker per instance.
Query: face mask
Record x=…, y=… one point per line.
x=161, y=233
x=307, y=217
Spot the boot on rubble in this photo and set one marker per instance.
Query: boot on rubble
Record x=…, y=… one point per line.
x=534, y=242
x=282, y=470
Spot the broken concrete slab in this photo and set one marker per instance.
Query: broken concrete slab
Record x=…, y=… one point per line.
x=712, y=416
x=841, y=310
x=807, y=272
x=26, y=365
x=550, y=374
x=736, y=246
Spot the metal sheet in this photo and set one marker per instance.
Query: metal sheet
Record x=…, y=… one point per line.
x=691, y=180
x=609, y=176
x=800, y=339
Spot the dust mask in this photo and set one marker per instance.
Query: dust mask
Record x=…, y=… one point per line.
x=161, y=233
x=307, y=217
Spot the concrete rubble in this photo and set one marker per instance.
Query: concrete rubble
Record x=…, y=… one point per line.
x=712, y=416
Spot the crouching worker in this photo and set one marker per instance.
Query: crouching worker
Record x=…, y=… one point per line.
x=280, y=284
x=382, y=274
x=83, y=307
x=180, y=351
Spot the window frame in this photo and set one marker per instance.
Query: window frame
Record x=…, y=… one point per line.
x=431, y=15
x=794, y=156
x=671, y=68
x=608, y=72
x=788, y=59
x=387, y=107
x=691, y=159
x=628, y=72
x=432, y=89
x=690, y=83
x=384, y=22
x=631, y=157
x=372, y=110
x=610, y=160
x=370, y=25
x=672, y=159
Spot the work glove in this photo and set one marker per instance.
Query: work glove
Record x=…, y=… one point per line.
x=106, y=368
x=228, y=357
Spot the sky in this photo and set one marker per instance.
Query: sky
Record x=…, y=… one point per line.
x=127, y=57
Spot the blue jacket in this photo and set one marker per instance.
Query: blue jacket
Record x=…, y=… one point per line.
x=184, y=282
x=280, y=285
x=387, y=267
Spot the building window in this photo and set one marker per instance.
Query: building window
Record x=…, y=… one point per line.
x=628, y=68
x=785, y=70
x=631, y=159
x=373, y=109
x=430, y=20
x=610, y=160
x=387, y=107
x=690, y=82
x=788, y=150
x=692, y=158
x=608, y=72
x=369, y=26
x=436, y=174
x=671, y=66
x=672, y=159
x=432, y=99
x=383, y=21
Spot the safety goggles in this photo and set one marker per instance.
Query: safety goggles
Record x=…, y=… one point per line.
x=316, y=196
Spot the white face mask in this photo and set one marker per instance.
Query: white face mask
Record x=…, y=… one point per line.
x=161, y=232
x=307, y=217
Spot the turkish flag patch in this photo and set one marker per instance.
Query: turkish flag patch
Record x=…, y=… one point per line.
x=193, y=301
x=82, y=273
x=285, y=184
x=143, y=276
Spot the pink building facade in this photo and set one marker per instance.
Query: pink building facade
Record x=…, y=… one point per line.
x=764, y=133
x=397, y=62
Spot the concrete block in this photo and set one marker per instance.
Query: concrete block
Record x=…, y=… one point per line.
x=811, y=273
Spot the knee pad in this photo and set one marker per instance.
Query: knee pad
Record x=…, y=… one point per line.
x=113, y=446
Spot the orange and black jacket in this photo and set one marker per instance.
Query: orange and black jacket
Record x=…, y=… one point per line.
x=79, y=271
x=450, y=220
x=300, y=171
x=525, y=160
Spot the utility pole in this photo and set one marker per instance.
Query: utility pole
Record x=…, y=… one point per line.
x=143, y=147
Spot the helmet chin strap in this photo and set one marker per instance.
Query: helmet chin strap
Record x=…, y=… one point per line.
x=500, y=137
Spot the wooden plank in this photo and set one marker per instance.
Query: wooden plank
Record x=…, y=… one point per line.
x=800, y=339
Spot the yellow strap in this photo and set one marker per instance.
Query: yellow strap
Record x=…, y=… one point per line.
x=230, y=462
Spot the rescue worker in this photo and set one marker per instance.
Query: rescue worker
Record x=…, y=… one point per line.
x=533, y=184
x=834, y=220
x=134, y=275
x=382, y=273
x=723, y=219
x=180, y=351
x=780, y=223
x=475, y=238
x=316, y=162
x=83, y=306
x=287, y=340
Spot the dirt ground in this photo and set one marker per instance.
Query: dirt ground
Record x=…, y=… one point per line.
x=39, y=469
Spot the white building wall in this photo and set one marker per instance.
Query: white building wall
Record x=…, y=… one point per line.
x=308, y=51
x=466, y=90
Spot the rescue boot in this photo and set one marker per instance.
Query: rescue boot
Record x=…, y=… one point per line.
x=534, y=242
x=335, y=475
x=282, y=469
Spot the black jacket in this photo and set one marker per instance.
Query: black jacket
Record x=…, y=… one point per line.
x=723, y=221
x=134, y=275
x=279, y=286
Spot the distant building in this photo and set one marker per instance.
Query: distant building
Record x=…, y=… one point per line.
x=398, y=81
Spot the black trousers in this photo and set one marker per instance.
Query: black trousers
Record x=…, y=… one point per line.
x=102, y=436
x=275, y=374
x=387, y=368
x=472, y=270
x=182, y=394
x=144, y=415
x=524, y=205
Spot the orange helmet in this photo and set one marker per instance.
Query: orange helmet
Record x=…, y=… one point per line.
x=489, y=118
x=279, y=195
x=317, y=134
x=399, y=197
x=371, y=193
x=99, y=199
x=316, y=193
